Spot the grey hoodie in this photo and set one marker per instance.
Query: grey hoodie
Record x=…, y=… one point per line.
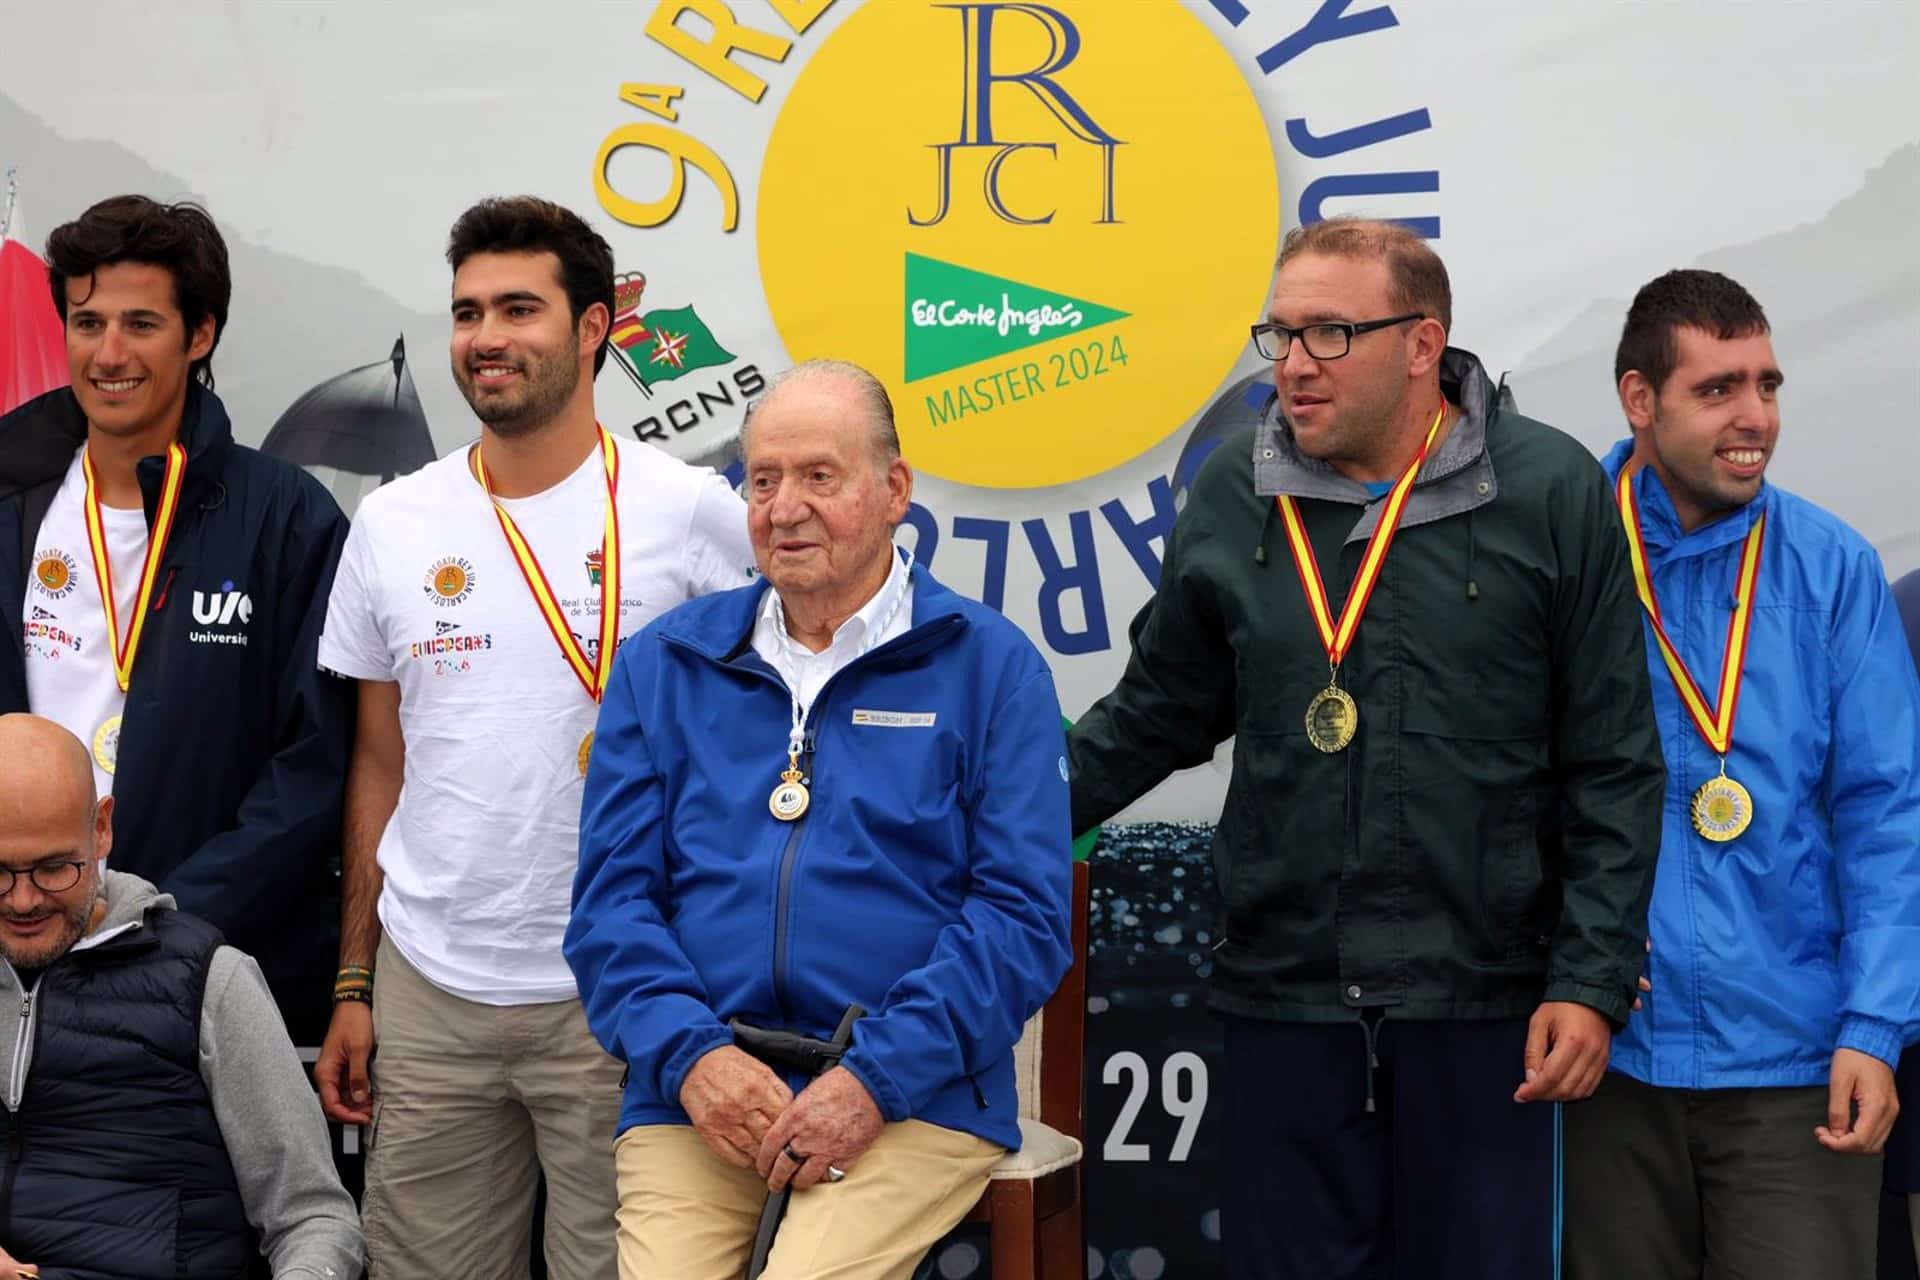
x=266, y=1110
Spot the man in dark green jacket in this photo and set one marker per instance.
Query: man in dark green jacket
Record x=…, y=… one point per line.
x=1438, y=842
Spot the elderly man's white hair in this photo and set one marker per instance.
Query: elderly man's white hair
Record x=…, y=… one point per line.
x=869, y=389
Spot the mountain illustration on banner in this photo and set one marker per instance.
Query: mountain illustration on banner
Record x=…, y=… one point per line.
x=662, y=344
x=958, y=316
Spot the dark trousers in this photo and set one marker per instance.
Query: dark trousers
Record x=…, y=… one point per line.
x=1713, y=1184
x=1445, y=1178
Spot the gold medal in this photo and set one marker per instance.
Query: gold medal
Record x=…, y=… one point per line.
x=586, y=751
x=106, y=744
x=791, y=798
x=1722, y=809
x=1333, y=716
x=1331, y=719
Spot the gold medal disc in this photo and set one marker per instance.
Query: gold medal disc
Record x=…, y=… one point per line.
x=1722, y=809
x=1331, y=719
x=586, y=750
x=790, y=799
x=106, y=744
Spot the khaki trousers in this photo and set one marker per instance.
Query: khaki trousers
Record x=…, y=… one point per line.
x=471, y=1101
x=687, y=1214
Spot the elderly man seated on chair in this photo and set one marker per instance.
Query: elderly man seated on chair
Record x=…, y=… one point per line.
x=824, y=874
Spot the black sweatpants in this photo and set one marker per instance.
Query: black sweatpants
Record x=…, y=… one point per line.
x=1444, y=1178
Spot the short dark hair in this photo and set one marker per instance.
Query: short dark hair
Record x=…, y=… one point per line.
x=528, y=224
x=1686, y=299
x=1416, y=278
x=180, y=239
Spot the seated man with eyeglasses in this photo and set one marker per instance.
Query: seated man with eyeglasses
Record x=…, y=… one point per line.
x=157, y=1119
x=1433, y=864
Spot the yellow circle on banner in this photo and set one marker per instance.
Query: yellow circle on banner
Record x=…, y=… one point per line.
x=1045, y=226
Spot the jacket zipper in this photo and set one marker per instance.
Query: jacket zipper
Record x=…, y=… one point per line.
x=16, y=1119
x=784, y=885
x=23, y=1049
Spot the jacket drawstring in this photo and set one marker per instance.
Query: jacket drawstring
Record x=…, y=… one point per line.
x=1473, y=588
x=1266, y=527
x=1370, y=1028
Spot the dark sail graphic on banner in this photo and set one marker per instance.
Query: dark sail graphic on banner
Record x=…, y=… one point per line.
x=364, y=422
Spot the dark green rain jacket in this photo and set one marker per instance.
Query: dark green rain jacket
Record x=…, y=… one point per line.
x=1487, y=841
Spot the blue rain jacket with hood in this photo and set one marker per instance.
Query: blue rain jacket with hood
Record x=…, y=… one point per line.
x=1802, y=935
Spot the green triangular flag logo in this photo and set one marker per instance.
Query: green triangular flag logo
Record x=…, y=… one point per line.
x=666, y=343
x=958, y=316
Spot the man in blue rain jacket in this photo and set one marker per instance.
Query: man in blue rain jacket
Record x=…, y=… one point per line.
x=842, y=785
x=1739, y=1130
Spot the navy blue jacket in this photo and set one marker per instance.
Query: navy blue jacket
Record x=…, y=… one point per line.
x=115, y=1165
x=232, y=761
x=928, y=881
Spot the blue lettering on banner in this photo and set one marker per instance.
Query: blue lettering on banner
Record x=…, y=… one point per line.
x=1335, y=20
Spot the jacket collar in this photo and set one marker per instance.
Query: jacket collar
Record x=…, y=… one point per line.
x=1457, y=477
x=38, y=441
x=723, y=632
x=1660, y=522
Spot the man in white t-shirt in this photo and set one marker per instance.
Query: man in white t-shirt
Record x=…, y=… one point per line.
x=478, y=603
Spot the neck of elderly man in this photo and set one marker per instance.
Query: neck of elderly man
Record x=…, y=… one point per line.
x=813, y=617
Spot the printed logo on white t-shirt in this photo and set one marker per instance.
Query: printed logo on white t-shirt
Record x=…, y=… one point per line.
x=53, y=573
x=450, y=580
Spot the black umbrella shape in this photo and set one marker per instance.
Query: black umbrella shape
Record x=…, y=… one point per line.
x=367, y=421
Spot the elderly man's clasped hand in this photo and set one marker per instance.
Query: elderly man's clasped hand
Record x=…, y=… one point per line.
x=748, y=1117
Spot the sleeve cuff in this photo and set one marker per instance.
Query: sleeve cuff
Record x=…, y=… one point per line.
x=1870, y=1036
x=674, y=1074
x=879, y=1086
x=1608, y=1002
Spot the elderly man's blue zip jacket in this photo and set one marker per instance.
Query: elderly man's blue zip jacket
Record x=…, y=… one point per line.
x=1802, y=935
x=928, y=881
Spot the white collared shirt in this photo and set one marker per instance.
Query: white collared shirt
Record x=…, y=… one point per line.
x=805, y=672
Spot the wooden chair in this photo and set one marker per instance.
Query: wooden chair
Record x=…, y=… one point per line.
x=1034, y=1204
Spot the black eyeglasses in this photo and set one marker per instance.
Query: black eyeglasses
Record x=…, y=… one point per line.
x=48, y=877
x=1328, y=340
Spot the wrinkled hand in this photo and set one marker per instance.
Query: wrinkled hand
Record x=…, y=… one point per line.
x=1567, y=1046
x=346, y=1094
x=1858, y=1079
x=733, y=1098
x=831, y=1123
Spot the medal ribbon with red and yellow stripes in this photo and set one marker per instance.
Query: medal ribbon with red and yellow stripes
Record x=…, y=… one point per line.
x=125, y=646
x=593, y=674
x=1332, y=716
x=1722, y=808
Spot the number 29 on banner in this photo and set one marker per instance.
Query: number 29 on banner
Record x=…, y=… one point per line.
x=1183, y=1095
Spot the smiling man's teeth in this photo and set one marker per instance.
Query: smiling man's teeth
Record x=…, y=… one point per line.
x=494, y=371
x=124, y=384
x=1742, y=457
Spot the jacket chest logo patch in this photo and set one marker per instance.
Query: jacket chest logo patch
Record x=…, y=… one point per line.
x=894, y=719
x=224, y=614
x=53, y=573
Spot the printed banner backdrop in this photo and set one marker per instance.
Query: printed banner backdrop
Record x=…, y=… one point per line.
x=1046, y=225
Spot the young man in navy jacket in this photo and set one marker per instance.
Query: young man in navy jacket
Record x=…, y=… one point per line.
x=162, y=589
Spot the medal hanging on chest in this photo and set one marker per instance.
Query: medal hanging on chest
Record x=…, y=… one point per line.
x=791, y=798
x=1332, y=716
x=124, y=646
x=1722, y=809
x=593, y=675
